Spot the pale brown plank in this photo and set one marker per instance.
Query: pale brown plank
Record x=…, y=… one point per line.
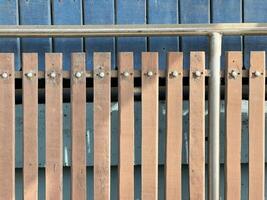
x=102, y=64
x=233, y=99
x=256, y=125
x=197, y=126
x=53, y=123
x=78, y=126
x=149, y=126
x=30, y=125
x=7, y=127
x=174, y=99
x=126, y=126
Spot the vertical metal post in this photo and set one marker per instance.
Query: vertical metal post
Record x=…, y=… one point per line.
x=214, y=115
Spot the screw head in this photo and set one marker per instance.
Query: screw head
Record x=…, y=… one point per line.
x=174, y=74
x=101, y=74
x=78, y=74
x=149, y=73
x=4, y=75
x=53, y=74
x=234, y=74
x=29, y=75
x=257, y=73
x=197, y=73
x=126, y=74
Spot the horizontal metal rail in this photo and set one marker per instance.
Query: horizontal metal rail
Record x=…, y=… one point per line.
x=132, y=30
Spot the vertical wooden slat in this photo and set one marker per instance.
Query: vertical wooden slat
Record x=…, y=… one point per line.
x=78, y=126
x=256, y=125
x=233, y=99
x=102, y=67
x=126, y=125
x=7, y=127
x=30, y=125
x=149, y=126
x=174, y=98
x=197, y=126
x=53, y=123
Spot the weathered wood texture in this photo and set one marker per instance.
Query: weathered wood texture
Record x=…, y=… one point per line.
x=30, y=125
x=257, y=125
x=233, y=98
x=53, y=125
x=149, y=126
x=78, y=126
x=126, y=126
x=7, y=127
x=197, y=126
x=174, y=124
x=102, y=66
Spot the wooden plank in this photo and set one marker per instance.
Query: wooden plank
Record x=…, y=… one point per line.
x=233, y=101
x=67, y=12
x=197, y=127
x=256, y=125
x=7, y=127
x=126, y=126
x=99, y=12
x=163, y=12
x=9, y=16
x=252, y=8
x=36, y=12
x=78, y=126
x=220, y=14
x=102, y=66
x=30, y=125
x=149, y=126
x=131, y=12
x=194, y=11
x=174, y=131
x=53, y=125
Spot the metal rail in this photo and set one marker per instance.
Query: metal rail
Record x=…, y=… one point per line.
x=132, y=30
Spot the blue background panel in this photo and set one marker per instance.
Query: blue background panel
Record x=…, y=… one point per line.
x=163, y=12
x=99, y=12
x=218, y=15
x=132, y=12
x=67, y=12
x=34, y=12
x=9, y=16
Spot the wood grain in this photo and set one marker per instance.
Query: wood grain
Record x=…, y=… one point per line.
x=7, y=127
x=53, y=125
x=174, y=98
x=149, y=126
x=78, y=127
x=30, y=125
x=233, y=101
x=197, y=127
x=126, y=127
x=102, y=64
x=256, y=126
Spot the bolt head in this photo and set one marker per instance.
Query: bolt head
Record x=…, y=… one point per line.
x=234, y=74
x=78, y=74
x=101, y=74
x=126, y=74
x=53, y=74
x=174, y=73
x=149, y=73
x=197, y=73
x=257, y=73
x=4, y=75
x=29, y=74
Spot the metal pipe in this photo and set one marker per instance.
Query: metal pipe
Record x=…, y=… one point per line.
x=214, y=116
x=132, y=30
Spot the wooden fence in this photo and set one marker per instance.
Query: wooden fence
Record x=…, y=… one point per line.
x=175, y=76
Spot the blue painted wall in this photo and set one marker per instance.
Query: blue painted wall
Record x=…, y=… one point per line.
x=125, y=12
